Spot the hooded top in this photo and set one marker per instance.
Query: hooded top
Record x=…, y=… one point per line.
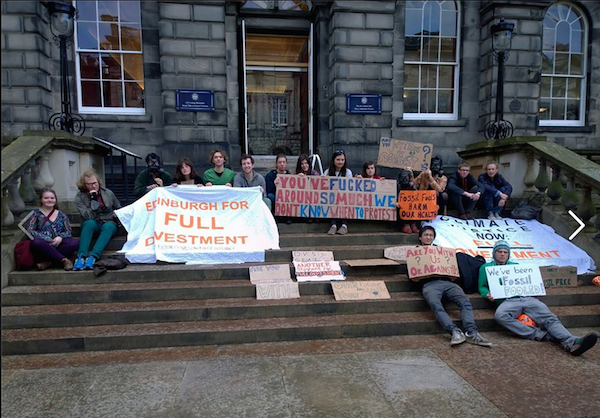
x=500, y=245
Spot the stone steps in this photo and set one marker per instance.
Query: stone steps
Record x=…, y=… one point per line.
x=115, y=312
x=198, y=333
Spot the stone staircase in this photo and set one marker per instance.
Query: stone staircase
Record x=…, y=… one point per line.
x=171, y=305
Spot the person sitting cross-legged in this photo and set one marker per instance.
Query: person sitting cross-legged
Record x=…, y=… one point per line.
x=497, y=190
x=508, y=311
x=436, y=289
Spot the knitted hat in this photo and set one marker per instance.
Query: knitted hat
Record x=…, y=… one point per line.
x=501, y=245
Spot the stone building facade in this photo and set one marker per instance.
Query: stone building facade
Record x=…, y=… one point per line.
x=342, y=47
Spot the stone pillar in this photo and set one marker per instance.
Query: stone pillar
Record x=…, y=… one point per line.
x=15, y=202
x=7, y=216
x=26, y=190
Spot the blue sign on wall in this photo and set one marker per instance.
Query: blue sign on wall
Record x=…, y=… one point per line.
x=195, y=100
x=363, y=104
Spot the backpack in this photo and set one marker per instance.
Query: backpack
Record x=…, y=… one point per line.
x=530, y=208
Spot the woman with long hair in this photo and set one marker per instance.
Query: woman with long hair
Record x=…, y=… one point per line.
x=338, y=168
x=185, y=173
x=50, y=228
x=369, y=171
x=303, y=166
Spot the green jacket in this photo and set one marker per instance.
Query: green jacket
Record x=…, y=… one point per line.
x=144, y=179
x=211, y=177
x=484, y=289
x=89, y=209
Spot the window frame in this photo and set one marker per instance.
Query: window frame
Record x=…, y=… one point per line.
x=584, y=73
x=454, y=64
x=105, y=110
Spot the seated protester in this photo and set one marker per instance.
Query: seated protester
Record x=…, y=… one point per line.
x=96, y=205
x=185, y=173
x=434, y=179
x=250, y=178
x=338, y=168
x=369, y=171
x=497, y=190
x=50, y=228
x=271, y=177
x=464, y=191
x=435, y=289
x=405, y=182
x=219, y=175
x=152, y=177
x=303, y=166
x=549, y=326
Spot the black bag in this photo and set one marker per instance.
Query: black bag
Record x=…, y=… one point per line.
x=530, y=208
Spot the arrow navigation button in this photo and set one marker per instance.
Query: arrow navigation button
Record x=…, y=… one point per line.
x=579, y=221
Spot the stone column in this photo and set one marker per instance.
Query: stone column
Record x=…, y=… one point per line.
x=15, y=202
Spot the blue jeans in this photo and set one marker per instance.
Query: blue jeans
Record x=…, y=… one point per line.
x=462, y=203
x=509, y=310
x=491, y=202
x=435, y=290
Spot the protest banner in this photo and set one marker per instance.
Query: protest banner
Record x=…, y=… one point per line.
x=312, y=255
x=431, y=261
x=515, y=280
x=530, y=241
x=208, y=225
x=335, y=197
x=360, y=290
x=318, y=271
x=277, y=291
x=371, y=262
x=419, y=205
x=396, y=153
x=397, y=253
x=274, y=273
x=555, y=276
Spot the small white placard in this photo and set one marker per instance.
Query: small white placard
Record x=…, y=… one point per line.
x=515, y=280
x=312, y=255
x=315, y=271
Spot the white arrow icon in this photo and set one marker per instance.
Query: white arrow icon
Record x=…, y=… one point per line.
x=581, y=225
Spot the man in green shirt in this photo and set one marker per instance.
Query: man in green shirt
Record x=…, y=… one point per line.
x=219, y=175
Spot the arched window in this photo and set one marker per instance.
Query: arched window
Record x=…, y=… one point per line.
x=431, y=60
x=562, y=97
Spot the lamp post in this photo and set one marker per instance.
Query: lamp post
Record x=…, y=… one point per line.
x=62, y=18
x=501, y=42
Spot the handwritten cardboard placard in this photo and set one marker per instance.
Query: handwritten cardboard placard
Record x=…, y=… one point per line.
x=397, y=253
x=277, y=291
x=431, y=261
x=399, y=154
x=515, y=280
x=335, y=197
x=270, y=273
x=417, y=205
x=360, y=290
x=312, y=255
x=315, y=271
x=555, y=276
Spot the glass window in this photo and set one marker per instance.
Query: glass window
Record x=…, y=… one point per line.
x=562, y=97
x=109, y=62
x=431, y=60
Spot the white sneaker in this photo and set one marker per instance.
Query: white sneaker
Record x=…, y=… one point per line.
x=498, y=216
x=491, y=216
x=332, y=230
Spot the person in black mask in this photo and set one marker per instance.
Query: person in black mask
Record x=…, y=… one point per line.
x=434, y=179
x=406, y=182
x=152, y=177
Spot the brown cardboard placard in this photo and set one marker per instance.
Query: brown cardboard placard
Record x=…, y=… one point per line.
x=360, y=290
x=312, y=255
x=417, y=205
x=397, y=253
x=270, y=273
x=559, y=276
x=370, y=262
x=277, y=291
x=396, y=153
x=431, y=261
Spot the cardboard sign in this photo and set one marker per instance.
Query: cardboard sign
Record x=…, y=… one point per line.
x=335, y=197
x=417, y=205
x=371, y=262
x=318, y=271
x=312, y=255
x=399, y=154
x=360, y=290
x=555, y=276
x=272, y=273
x=277, y=291
x=515, y=280
x=397, y=253
x=431, y=261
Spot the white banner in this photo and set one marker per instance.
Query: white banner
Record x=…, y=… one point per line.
x=530, y=242
x=199, y=225
x=318, y=271
x=515, y=280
